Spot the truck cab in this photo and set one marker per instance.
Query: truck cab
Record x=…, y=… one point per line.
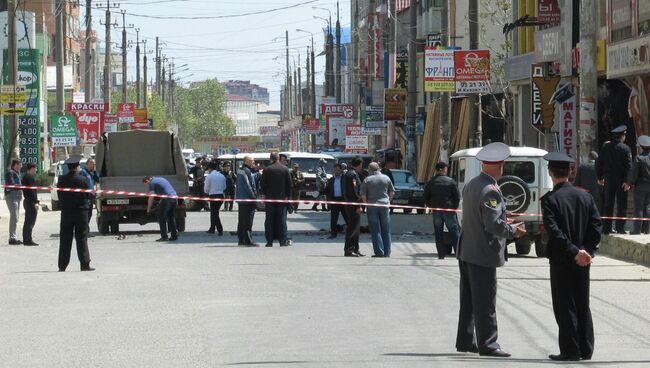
x=525, y=180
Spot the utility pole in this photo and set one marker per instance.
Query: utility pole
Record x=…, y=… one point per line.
x=162, y=81
x=338, y=55
x=12, y=53
x=137, y=67
x=356, y=82
x=287, y=89
x=474, y=109
x=392, y=51
x=329, y=61
x=311, y=112
x=87, y=72
x=124, y=49
x=60, y=54
x=588, y=124
x=445, y=100
x=108, y=53
x=295, y=91
x=412, y=88
x=157, y=59
x=313, y=78
x=144, y=74
x=301, y=109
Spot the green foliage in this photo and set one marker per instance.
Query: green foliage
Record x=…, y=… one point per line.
x=200, y=111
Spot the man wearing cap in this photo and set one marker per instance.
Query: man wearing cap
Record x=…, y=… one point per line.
x=573, y=225
x=442, y=192
x=612, y=167
x=481, y=249
x=640, y=180
x=74, y=216
x=352, y=194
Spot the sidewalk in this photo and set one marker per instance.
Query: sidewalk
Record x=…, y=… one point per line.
x=631, y=248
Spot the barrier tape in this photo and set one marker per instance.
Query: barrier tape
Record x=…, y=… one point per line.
x=296, y=201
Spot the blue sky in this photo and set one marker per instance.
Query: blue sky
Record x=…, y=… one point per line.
x=234, y=46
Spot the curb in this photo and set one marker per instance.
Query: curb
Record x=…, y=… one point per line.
x=625, y=249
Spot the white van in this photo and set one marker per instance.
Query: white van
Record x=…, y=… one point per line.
x=188, y=155
x=309, y=163
x=525, y=180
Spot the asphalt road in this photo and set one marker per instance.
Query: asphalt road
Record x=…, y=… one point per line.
x=203, y=302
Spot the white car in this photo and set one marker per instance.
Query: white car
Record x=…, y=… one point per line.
x=525, y=180
x=61, y=169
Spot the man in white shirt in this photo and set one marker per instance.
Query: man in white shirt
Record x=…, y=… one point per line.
x=215, y=185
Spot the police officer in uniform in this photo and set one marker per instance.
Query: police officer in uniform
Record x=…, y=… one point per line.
x=481, y=249
x=612, y=168
x=640, y=180
x=573, y=225
x=74, y=216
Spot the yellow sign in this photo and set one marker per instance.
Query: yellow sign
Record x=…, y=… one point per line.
x=440, y=86
x=230, y=141
x=13, y=99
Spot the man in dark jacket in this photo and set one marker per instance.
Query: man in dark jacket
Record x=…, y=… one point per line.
x=31, y=204
x=335, y=194
x=276, y=184
x=74, y=216
x=587, y=179
x=231, y=177
x=245, y=188
x=573, y=226
x=442, y=192
x=351, y=193
x=640, y=180
x=13, y=196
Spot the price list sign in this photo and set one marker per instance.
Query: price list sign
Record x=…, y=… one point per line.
x=30, y=136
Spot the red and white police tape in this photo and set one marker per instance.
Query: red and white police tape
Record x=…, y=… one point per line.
x=193, y=198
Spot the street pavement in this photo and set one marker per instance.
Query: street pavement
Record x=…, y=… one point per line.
x=204, y=302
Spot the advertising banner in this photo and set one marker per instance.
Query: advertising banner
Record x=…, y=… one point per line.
x=88, y=127
x=568, y=130
x=375, y=117
x=548, y=11
x=402, y=69
x=13, y=99
x=355, y=140
x=439, y=71
x=64, y=131
x=110, y=122
x=126, y=112
x=394, y=104
x=312, y=126
x=543, y=88
x=472, y=71
x=91, y=106
x=336, y=130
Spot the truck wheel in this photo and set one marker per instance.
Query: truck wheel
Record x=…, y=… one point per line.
x=180, y=224
x=115, y=227
x=540, y=244
x=523, y=246
x=102, y=226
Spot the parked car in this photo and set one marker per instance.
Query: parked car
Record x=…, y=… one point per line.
x=407, y=190
x=61, y=169
x=309, y=163
x=525, y=180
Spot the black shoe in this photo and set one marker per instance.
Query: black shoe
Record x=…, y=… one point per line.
x=87, y=268
x=269, y=245
x=30, y=244
x=173, y=238
x=210, y=232
x=564, y=358
x=585, y=358
x=253, y=244
x=162, y=239
x=497, y=353
x=376, y=256
x=351, y=255
x=472, y=349
x=14, y=242
x=331, y=237
x=288, y=243
x=359, y=254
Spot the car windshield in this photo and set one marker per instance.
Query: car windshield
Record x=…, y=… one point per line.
x=403, y=178
x=310, y=165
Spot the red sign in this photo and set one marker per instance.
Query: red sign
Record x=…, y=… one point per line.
x=312, y=126
x=472, y=65
x=140, y=125
x=548, y=11
x=125, y=112
x=88, y=127
x=91, y=106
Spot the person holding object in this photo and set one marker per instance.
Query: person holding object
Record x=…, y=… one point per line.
x=351, y=186
x=166, y=206
x=481, y=249
x=74, y=216
x=377, y=188
x=640, y=180
x=13, y=196
x=31, y=204
x=573, y=225
x=442, y=192
x=612, y=168
x=215, y=186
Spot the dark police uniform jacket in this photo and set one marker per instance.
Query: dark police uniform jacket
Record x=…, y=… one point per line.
x=613, y=164
x=572, y=222
x=640, y=172
x=71, y=201
x=276, y=181
x=351, y=186
x=441, y=192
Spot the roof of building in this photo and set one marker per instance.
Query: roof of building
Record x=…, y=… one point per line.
x=230, y=97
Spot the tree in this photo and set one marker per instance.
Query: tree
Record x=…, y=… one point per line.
x=200, y=111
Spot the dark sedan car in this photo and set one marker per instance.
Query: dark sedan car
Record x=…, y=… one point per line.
x=407, y=190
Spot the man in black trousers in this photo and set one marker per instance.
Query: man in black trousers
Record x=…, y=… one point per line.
x=276, y=184
x=31, y=204
x=74, y=216
x=573, y=226
x=351, y=193
x=334, y=191
x=612, y=168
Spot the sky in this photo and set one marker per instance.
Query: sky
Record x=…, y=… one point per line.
x=227, y=39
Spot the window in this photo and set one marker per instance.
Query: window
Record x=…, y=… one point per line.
x=521, y=169
x=310, y=165
x=403, y=177
x=621, y=19
x=644, y=16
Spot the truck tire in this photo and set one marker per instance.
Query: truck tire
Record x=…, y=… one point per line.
x=515, y=192
x=523, y=245
x=541, y=240
x=180, y=224
x=102, y=226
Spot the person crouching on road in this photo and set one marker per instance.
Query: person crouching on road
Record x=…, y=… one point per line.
x=276, y=184
x=377, y=188
x=246, y=189
x=573, y=225
x=31, y=204
x=166, y=206
x=442, y=192
x=214, y=187
x=74, y=216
